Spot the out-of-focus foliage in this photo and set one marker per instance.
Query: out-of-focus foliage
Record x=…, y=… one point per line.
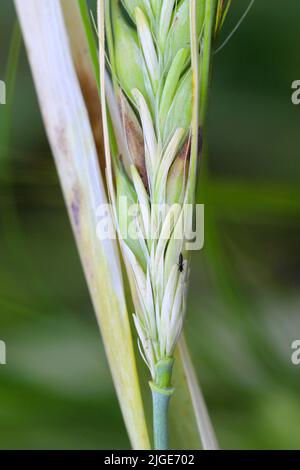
x=56, y=391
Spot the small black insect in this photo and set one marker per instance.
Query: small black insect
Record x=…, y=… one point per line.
x=180, y=263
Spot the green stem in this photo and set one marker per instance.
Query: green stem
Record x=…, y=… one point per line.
x=161, y=393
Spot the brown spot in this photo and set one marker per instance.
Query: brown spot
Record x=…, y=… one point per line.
x=134, y=137
x=185, y=152
x=136, y=144
x=75, y=207
x=61, y=139
x=179, y=167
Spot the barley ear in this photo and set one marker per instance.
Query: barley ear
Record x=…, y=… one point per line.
x=173, y=42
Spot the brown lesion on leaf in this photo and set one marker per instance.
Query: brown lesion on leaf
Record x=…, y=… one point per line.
x=137, y=142
x=61, y=139
x=75, y=206
x=185, y=151
x=134, y=138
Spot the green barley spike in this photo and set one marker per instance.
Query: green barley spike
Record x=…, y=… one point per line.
x=162, y=60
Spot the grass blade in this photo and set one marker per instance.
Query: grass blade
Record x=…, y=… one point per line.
x=204, y=425
x=67, y=124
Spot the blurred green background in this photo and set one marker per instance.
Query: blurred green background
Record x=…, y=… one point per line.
x=56, y=390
